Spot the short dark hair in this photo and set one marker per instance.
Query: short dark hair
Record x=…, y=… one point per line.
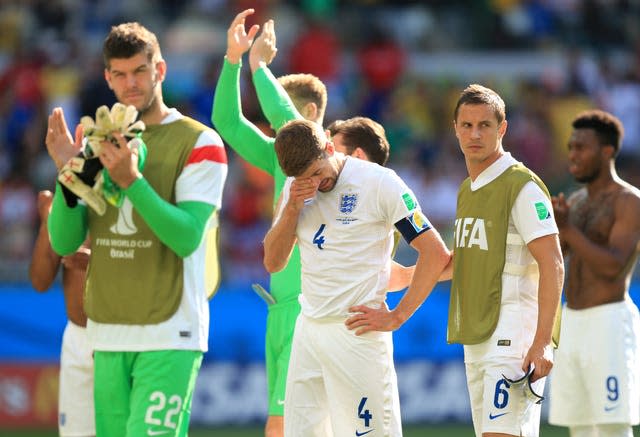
x=365, y=133
x=608, y=127
x=128, y=39
x=305, y=88
x=333, y=126
x=298, y=144
x=476, y=94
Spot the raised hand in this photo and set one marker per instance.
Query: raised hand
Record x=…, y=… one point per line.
x=60, y=145
x=238, y=39
x=264, y=48
x=303, y=189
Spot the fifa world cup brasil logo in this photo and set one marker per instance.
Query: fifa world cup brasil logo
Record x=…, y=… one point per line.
x=125, y=225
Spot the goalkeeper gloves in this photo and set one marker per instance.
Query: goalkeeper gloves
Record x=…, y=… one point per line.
x=83, y=176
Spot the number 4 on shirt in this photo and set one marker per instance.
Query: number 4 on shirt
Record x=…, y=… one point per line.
x=318, y=239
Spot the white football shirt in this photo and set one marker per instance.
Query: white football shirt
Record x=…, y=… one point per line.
x=346, y=238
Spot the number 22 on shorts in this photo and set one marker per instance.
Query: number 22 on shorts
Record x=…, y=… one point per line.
x=158, y=401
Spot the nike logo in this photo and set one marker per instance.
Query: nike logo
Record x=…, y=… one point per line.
x=495, y=416
x=611, y=408
x=153, y=432
x=280, y=402
x=358, y=434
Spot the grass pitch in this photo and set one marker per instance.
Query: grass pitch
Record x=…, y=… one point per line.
x=409, y=431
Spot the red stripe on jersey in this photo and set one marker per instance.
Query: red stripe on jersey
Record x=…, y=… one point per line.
x=208, y=153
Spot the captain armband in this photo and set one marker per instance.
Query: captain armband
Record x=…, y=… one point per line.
x=413, y=225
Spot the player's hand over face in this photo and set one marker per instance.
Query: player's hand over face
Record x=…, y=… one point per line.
x=542, y=359
x=77, y=261
x=238, y=39
x=264, y=48
x=60, y=145
x=560, y=210
x=45, y=198
x=368, y=319
x=301, y=189
x=121, y=162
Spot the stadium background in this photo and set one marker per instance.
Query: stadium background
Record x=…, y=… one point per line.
x=402, y=63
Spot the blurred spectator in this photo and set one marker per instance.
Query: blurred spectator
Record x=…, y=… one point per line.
x=246, y=218
x=622, y=99
x=21, y=83
x=94, y=91
x=53, y=17
x=18, y=213
x=316, y=51
x=201, y=99
x=382, y=62
x=61, y=78
x=402, y=63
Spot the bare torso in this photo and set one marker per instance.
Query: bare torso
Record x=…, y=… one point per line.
x=595, y=217
x=74, y=274
x=73, y=286
x=45, y=264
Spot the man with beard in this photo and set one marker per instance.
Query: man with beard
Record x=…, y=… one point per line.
x=342, y=212
x=148, y=282
x=595, y=389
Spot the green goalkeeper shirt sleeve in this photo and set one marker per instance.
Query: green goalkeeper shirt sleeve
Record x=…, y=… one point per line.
x=241, y=135
x=274, y=100
x=67, y=226
x=180, y=226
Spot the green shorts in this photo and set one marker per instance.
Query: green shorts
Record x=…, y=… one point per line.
x=144, y=393
x=281, y=321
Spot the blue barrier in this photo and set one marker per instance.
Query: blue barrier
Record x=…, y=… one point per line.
x=31, y=326
x=231, y=388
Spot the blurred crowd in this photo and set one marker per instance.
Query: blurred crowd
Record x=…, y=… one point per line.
x=402, y=63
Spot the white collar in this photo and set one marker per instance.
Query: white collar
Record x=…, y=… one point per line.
x=172, y=116
x=493, y=171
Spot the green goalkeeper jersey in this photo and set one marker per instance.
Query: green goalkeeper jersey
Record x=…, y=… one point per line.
x=258, y=149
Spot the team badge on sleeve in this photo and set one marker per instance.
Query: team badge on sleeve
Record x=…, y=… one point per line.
x=419, y=221
x=348, y=202
x=409, y=201
x=542, y=211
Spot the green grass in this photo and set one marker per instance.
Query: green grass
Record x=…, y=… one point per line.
x=409, y=431
x=413, y=431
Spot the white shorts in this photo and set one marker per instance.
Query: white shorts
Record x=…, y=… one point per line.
x=75, y=404
x=495, y=406
x=596, y=376
x=340, y=384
